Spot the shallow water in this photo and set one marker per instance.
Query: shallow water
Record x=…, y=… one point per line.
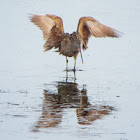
x=39, y=99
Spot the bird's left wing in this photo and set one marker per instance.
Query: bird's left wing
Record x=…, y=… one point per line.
x=88, y=26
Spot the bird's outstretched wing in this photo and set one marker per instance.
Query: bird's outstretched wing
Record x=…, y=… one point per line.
x=88, y=26
x=52, y=27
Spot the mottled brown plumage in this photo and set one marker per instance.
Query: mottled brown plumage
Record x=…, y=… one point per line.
x=70, y=45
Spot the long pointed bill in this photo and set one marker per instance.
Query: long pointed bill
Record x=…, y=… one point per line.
x=81, y=55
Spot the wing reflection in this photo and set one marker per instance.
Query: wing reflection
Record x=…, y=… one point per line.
x=51, y=112
x=88, y=113
x=68, y=95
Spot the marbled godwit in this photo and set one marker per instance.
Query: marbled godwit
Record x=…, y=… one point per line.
x=70, y=45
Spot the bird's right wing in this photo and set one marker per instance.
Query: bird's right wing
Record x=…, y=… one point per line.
x=52, y=27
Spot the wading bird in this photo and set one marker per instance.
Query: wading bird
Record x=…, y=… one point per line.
x=70, y=45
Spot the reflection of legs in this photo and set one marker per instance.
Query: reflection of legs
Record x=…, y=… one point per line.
x=66, y=63
x=74, y=76
x=66, y=75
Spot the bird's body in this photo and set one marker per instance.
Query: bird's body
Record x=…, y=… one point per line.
x=70, y=45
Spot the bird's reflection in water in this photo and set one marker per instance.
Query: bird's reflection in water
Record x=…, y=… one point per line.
x=88, y=113
x=68, y=96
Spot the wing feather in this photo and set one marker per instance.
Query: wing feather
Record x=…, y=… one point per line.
x=88, y=26
x=52, y=27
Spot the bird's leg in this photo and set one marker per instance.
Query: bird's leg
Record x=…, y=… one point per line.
x=66, y=63
x=74, y=65
x=75, y=57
